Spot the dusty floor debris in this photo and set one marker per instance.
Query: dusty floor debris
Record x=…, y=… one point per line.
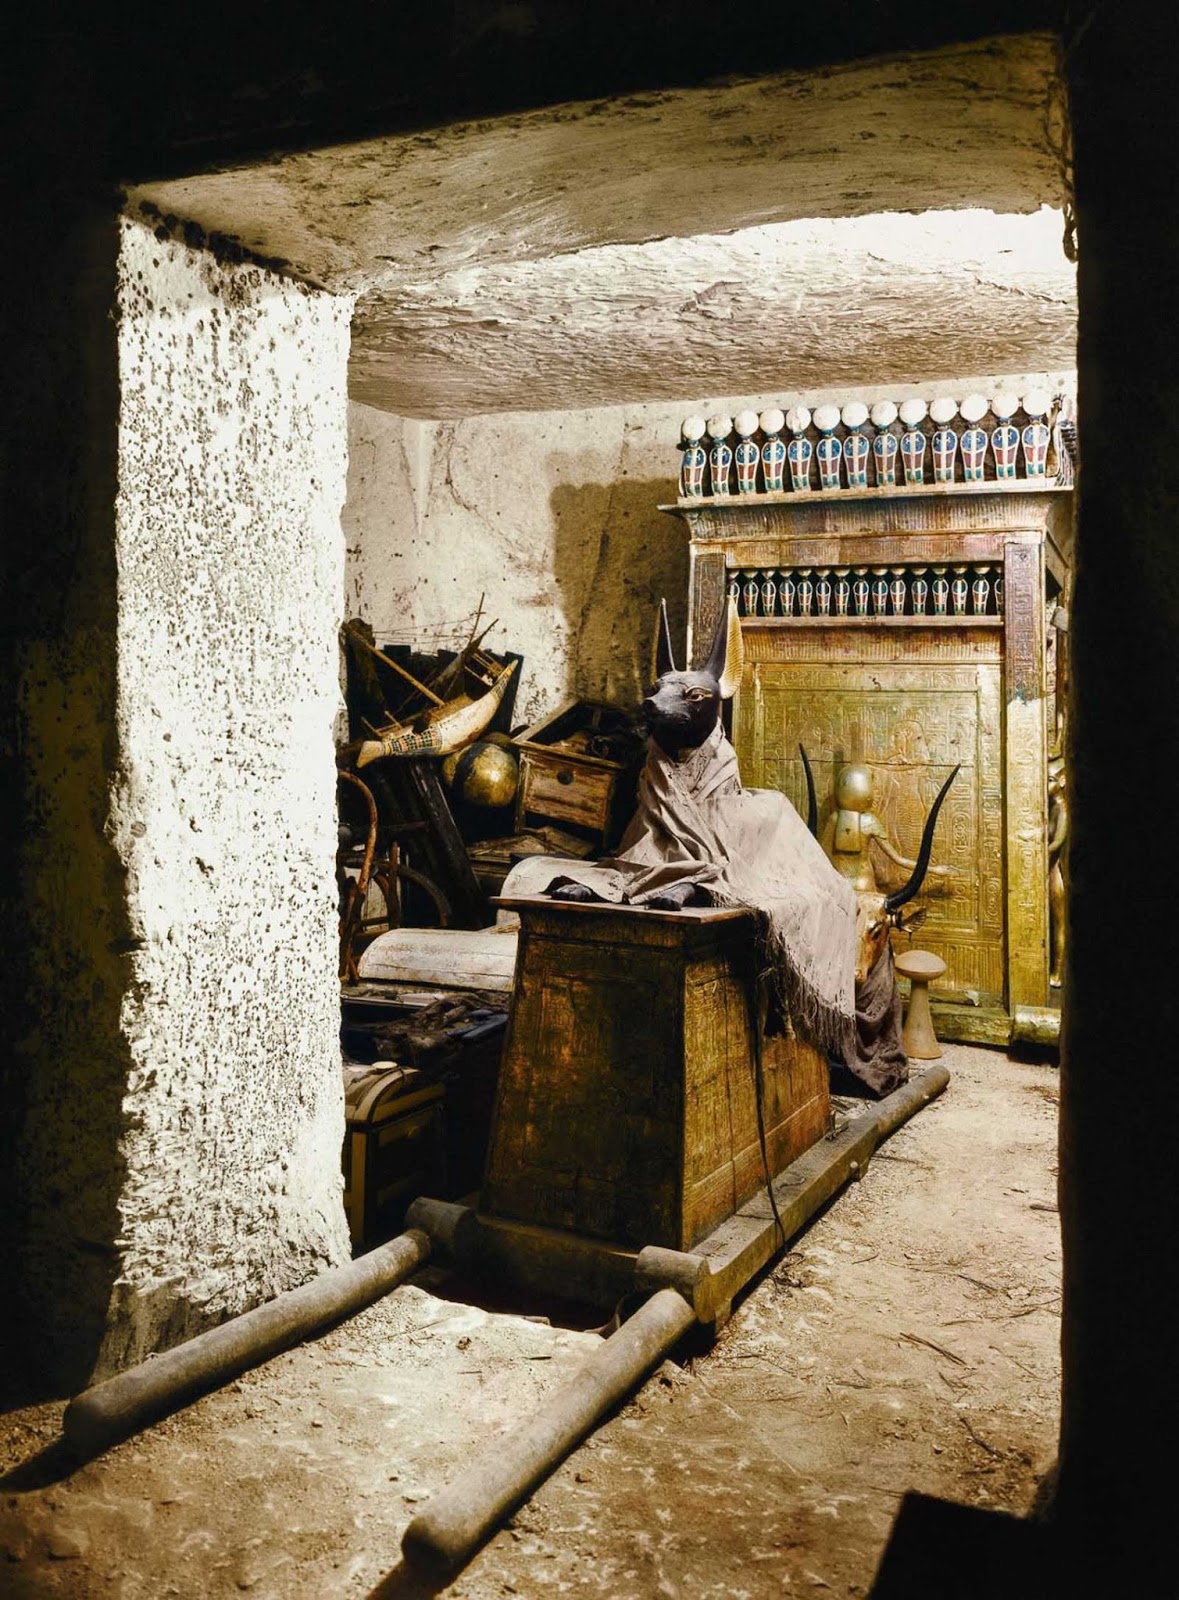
x=909, y=1339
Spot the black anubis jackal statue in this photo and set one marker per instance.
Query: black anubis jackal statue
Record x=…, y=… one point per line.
x=699, y=837
x=681, y=711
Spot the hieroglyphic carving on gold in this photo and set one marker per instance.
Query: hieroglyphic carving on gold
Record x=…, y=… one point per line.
x=1027, y=858
x=885, y=643
x=878, y=512
x=708, y=601
x=911, y=724
x=1026, y=778
x=1004, y=950
x=830, y=551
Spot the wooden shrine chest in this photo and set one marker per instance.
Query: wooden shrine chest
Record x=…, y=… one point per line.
x=877, y=670
x=627, y=1108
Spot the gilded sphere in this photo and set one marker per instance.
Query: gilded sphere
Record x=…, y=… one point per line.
x=484, y=774
x=853, y=788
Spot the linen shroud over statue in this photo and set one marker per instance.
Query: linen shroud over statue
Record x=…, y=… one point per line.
x=696, y=825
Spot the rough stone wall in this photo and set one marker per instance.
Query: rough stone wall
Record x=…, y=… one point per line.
x=232, y=446
x=553, y=517
x=883, y=214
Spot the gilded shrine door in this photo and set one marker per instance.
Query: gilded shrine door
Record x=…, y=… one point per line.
x=851, y=651
x=846, y=696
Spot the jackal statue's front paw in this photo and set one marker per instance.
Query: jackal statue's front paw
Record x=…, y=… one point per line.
x=578, y=893
x=676, y=898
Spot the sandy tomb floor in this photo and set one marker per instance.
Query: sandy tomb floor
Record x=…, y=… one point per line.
x=908, y=1340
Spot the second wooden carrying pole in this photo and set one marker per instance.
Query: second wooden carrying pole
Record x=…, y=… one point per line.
x=685, y=1288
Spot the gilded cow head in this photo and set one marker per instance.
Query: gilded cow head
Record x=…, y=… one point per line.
x=874, y=923
x=877, y=914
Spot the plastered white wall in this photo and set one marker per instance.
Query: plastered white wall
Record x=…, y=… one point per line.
x=552, y=517
x=232, y=459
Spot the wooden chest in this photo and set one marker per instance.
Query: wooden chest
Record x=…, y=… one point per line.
x=572, y=767
x=394, y=1147
x=627, y=1107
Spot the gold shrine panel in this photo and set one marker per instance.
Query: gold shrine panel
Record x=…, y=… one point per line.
x=845, y=697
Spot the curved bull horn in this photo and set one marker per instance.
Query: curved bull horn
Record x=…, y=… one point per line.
x=893, y=902
x=453, y=725
x=812, y=805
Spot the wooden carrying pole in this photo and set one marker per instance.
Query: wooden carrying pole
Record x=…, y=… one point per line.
x=112, y=1410
x=456, y=1521
x=689, y=1287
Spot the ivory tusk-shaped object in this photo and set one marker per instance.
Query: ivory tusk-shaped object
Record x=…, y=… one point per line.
x=450, y=730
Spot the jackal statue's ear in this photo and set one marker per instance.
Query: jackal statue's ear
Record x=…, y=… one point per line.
x=728, y=654
x=662, y=659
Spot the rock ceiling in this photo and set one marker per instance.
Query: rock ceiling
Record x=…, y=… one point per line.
x=889, y=221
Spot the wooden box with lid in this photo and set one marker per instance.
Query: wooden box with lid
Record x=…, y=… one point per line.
x=574, y=767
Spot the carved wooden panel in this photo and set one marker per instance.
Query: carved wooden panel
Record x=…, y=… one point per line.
x=626, y=1107
x=709, y=591
x=911, y=721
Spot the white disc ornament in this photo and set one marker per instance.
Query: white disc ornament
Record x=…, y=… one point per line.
x=826, y=418
x=974, y=407
x=943, y=410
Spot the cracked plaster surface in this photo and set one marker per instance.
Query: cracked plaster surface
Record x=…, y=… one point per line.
x=723, y=237
x=232, y=463
x=825, y=301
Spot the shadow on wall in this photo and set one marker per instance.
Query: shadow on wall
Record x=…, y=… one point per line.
x=67, y=962
x=620, y=556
